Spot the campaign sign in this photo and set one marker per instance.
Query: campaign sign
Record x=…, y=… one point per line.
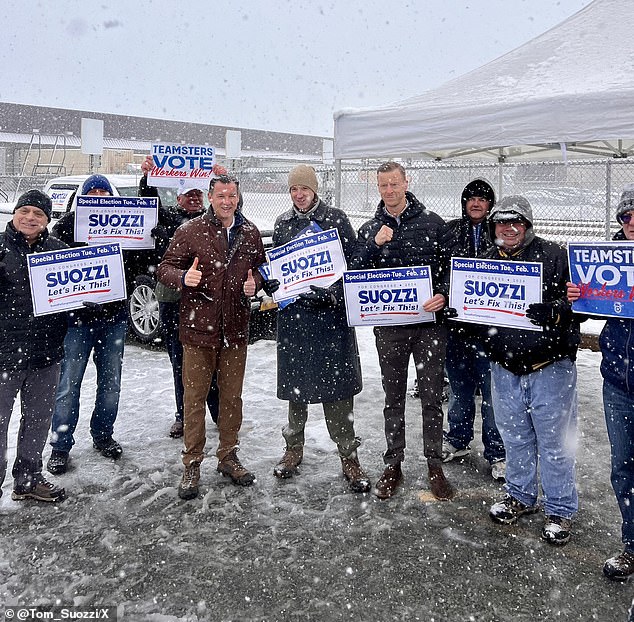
x=496, y=293
x=604, y=271
x=127, y=220
x=62, y=280
x=315, y=259
x=181, y=165
x=388, y=296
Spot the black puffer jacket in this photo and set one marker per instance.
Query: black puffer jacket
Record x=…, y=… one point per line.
x=524, y=351
x=317, y=355
x=416, y=242
x=26, y=341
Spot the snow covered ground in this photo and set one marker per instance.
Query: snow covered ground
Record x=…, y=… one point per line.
x=305, y=549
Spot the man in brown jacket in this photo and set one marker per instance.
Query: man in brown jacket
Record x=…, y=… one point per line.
x=212, y=261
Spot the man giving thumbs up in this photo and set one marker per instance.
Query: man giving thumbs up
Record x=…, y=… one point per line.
x=212, y=260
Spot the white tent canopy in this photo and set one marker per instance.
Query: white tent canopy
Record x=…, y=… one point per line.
x=572, y=86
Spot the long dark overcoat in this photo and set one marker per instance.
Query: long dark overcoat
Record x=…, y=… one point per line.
x=317, y=354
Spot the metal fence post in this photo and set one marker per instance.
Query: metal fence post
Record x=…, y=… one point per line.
x=338, y=184
x=608, y=193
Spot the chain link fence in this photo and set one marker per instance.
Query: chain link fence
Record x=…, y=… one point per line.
x=571, y=201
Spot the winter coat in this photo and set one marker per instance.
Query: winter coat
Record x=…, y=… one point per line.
x=524, y=351
x=216, y=312
x=416, y=242
x=26, y=341
x=115, y=311
x=617, y=347
x=317, y=354
x=458, y=240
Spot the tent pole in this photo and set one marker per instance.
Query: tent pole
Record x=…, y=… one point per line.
x=338, y=184
x=608, y=193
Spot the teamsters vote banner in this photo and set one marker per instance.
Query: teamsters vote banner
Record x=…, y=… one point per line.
x=181, y=165
x=387, y=296
x=315, y=259
x=495, y=293
x=62, y=280
x=127, y=220
x=604, y=271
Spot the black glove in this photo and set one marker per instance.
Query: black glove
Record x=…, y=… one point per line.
x=93, y=306
x=543, y=313
x=318, y=298
x=270, y=286
x=160, y=233
x=450, y=312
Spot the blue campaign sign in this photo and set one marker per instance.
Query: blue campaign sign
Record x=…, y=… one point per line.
x=387, y=296
x=604, y=272
x=494, y=292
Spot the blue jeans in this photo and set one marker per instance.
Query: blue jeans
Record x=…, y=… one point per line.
x=107, y=340
x=536, y=415
x=619, y=419
x=169, y=316
x=468, y=369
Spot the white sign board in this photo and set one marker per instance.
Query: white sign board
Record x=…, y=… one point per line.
x=63, y=280
x=127, y=220
x=315, y=259
x=495, y=293
x=388, y=297
x=175, y=166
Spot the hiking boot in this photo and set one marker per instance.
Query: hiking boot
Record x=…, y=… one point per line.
x=449, y=452
x=619, y=567
x=58, y=462
x=498, y=470
x=287, y=466
x=230, y=466
x=108, y=448
x=507, y=511
x=188, y=488
x=39, y=489
x=388, y=482
x=440, y=486
x=556, y=530
x=353, y=472
x=176, y=431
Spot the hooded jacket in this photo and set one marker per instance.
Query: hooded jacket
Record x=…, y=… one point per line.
x=460, y=235
x=525, y=351
x=26, y=341
x=216, y=312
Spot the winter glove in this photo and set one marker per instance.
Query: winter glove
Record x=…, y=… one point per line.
x=543, y=313
x=160, y=233
x=450, y=312
x=93, y=306
x=318, y=298
x=270, y=286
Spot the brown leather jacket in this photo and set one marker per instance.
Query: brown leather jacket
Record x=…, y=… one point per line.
x=216, y=312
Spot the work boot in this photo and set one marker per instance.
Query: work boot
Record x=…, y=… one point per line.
x=353, y=472
x=230, y=466
x=619, y=567
x=556, y=530
x=440, y=486
x=176, y=431
x=108, y=448
x=388, y=482
x=287, y=466
x=39, y=489
x=509, y=509
x=188, y=488
x=58, y=462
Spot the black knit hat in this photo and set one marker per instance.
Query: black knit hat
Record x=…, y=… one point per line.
x=38, y=199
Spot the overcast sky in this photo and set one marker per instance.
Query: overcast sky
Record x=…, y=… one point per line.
x=283, y=65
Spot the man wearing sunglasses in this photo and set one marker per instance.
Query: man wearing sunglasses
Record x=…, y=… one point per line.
x=534, y=381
